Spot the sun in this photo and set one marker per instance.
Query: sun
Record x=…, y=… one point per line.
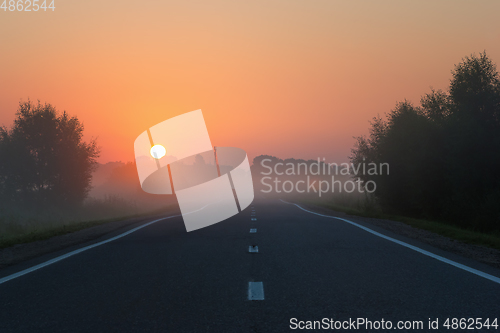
x=158, y=151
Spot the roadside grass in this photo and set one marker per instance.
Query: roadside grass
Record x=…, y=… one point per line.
x=41, y=234
x=18, y=227
x=469, y=236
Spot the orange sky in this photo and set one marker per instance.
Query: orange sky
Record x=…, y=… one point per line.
x=290, y=78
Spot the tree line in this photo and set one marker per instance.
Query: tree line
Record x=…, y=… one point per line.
x=444, y=154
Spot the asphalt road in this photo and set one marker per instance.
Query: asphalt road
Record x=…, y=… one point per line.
x=162, y=279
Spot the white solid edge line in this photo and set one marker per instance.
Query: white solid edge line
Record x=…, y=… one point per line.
x=427, y=253
x=72, y=253
x=255, y=291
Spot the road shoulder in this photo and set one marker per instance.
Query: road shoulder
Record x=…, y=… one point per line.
x=22, y=252
x=479, y=253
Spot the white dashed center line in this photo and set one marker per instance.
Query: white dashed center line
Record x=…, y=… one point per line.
x=253, y=231
x=255, y=291
x=253, y=249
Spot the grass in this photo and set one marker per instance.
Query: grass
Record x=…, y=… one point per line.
x=469, y=236
x=18, y=226
x=37, y=235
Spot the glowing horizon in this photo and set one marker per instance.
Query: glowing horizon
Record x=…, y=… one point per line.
x=284, y=78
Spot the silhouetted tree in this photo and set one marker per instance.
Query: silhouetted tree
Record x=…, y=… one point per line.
x=473, y=142
x=44, y=160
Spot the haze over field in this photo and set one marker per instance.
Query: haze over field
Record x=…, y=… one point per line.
x=286, y=78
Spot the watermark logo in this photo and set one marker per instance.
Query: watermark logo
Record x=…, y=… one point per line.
x=176, y=157
x=318, y=176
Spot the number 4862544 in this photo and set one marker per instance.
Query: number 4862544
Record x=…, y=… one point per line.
x=26, y=5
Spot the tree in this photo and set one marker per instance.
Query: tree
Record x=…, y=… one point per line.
x=406, y=141
x=44, y=160
x=473, y=141
x=475, y=91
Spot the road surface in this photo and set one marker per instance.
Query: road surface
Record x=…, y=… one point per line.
x=162, y=279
